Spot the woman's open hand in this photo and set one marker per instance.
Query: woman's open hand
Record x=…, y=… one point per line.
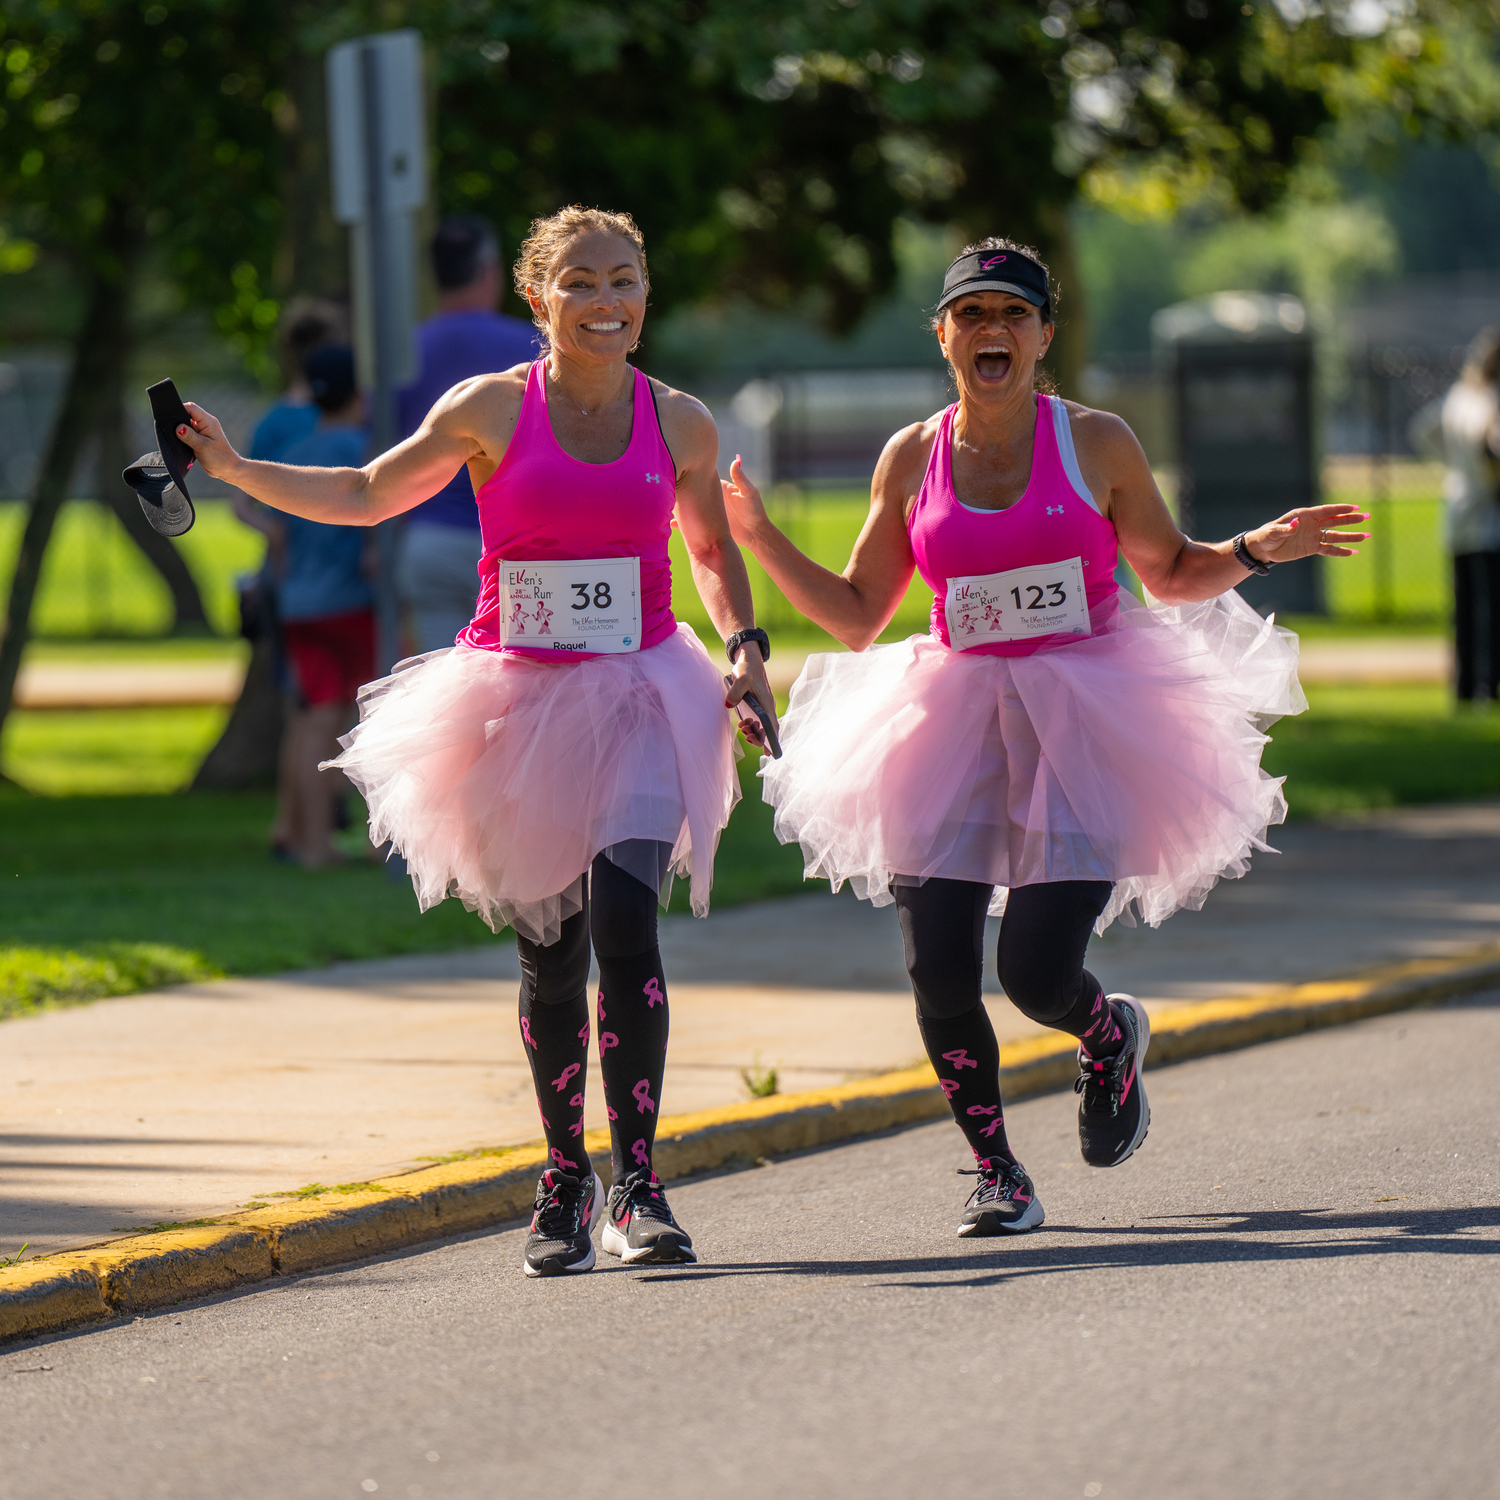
x=742, y=504
x=1309, y=532
x=210, y=447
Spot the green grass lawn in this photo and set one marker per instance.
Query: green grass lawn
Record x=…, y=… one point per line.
x=95, y=582
x=108, y=894
x=1359, y=748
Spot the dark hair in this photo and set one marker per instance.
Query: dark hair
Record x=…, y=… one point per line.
x=1041, y=380
x=462, y=247
x=329, y=372
x=306, y=324
x=536, y=261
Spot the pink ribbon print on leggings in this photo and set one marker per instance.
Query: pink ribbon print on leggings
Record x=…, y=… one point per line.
x=653, y=993
x=561, y=1083
x=643, y=1100
x=639, y=1152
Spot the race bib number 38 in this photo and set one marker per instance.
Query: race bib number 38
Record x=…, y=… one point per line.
x=1017, y=605
x=584, y=604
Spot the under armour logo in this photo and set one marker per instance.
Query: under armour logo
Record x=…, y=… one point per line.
x=653, y=479
x=1054, y=510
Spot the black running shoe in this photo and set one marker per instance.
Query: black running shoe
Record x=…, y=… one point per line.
x=566, y=1208
x=639, y=1227
x=1113, y=1115
x=1005, y=1202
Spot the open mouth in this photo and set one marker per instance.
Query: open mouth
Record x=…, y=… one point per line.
x=992, y=362
x=611, y=327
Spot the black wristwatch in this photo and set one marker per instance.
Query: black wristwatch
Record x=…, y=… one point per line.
x=1246, y=558
x=738, y=639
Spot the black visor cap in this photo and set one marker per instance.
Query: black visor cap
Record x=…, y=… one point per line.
x=997, y=271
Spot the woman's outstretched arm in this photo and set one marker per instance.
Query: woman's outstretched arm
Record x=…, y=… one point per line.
x=459, y=428
x=1173, y=568
x=856, y=605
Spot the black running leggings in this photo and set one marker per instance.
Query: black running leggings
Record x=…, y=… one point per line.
x=619, y=913
x=1043, y=938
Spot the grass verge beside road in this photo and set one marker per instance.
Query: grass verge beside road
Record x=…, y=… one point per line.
x=110, y=895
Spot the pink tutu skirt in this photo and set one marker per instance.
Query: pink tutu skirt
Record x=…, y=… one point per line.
x=498, y=777
x=1133, y=757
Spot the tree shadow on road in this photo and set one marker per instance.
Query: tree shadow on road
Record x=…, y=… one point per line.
x=1175, y=1240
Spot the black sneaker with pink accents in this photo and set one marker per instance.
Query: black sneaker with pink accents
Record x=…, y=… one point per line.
x=1005, y=1202
x=1113, y=1115
x=639, y=1227
x=567, y=1207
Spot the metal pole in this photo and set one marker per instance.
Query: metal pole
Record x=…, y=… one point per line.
x=382, y=398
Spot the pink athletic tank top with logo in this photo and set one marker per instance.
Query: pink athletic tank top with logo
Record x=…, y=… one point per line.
x=1054, y=520
x=542, y=505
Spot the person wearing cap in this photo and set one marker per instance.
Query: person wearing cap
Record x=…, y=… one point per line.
x=327, y=613
x=1051, y=749
x=437, y=573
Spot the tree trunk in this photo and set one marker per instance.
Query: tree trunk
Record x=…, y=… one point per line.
x=101, y=345
x=114, y=455
x=246, y=753
x=1070, y=345
x=312, y=258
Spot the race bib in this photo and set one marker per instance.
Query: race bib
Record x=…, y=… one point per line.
x=582, y=604
x=1017, y=605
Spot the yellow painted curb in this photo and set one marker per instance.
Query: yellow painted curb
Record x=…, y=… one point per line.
x=129, y=1276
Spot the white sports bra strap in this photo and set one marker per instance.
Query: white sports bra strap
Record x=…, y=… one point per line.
x=1064, y=430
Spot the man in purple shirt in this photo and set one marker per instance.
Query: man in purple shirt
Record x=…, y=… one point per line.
x=438, y=570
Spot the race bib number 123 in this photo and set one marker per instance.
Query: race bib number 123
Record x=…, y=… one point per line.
x=581, y=604
x=1017, y=605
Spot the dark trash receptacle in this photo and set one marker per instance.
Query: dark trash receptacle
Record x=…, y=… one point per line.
x=1241, y=370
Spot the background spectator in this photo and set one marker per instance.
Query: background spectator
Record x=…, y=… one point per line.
x=1463, y=430
x=327, y=615
x=437, y=573
x=308, y=323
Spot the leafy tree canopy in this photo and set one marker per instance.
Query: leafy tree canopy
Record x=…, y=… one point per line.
x=126, y=125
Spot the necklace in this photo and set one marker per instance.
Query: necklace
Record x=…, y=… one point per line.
x=583, y=410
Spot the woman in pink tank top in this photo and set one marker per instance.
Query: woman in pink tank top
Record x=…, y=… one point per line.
x=571, y=752
x=1051, y=749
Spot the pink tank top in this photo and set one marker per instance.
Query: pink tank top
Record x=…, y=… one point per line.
x=1054, y=520
x=542, y=505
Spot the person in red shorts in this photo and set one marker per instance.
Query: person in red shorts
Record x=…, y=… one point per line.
x=327, y=614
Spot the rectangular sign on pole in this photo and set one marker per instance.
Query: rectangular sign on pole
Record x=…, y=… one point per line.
x=403, y=156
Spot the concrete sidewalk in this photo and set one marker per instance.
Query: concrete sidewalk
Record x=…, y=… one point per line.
x=192, y=1102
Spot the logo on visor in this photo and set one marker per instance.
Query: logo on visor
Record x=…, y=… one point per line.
x=989, y=265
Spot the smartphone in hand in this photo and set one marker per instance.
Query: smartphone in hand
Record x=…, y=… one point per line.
x=756, y=723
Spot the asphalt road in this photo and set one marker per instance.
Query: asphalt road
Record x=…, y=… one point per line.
x=1293, y=1290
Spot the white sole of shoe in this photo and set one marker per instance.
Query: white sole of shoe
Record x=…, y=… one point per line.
x=589, y=1261
x=614, y=1243
x=1034, y=1217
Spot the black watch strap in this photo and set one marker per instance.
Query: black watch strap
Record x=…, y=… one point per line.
x=738, y=639
x=1246, y=558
